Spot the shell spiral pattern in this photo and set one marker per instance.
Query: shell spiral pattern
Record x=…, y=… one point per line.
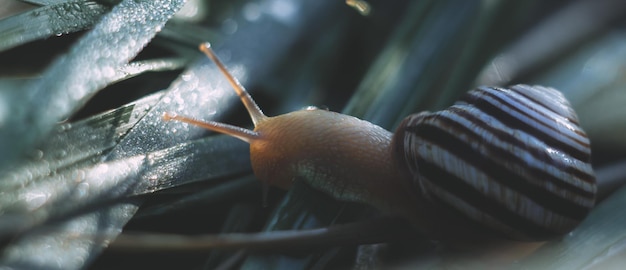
x=513, y=160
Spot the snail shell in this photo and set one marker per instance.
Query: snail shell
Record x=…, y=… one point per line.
x=513, y=160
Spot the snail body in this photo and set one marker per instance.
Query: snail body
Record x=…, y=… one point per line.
x=512, y=162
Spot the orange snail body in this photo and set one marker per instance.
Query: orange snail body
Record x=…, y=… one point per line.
x=341, y=155
x=509, y=162
x=327, y=145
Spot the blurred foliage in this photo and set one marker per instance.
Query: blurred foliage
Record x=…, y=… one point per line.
x=86, y=156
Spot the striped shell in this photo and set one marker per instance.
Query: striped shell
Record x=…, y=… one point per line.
x=513, y=160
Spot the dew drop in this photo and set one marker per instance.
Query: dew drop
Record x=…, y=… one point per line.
x=251, y=12
x=229, y=26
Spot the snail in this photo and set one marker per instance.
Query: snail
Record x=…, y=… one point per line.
x=510, y=163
